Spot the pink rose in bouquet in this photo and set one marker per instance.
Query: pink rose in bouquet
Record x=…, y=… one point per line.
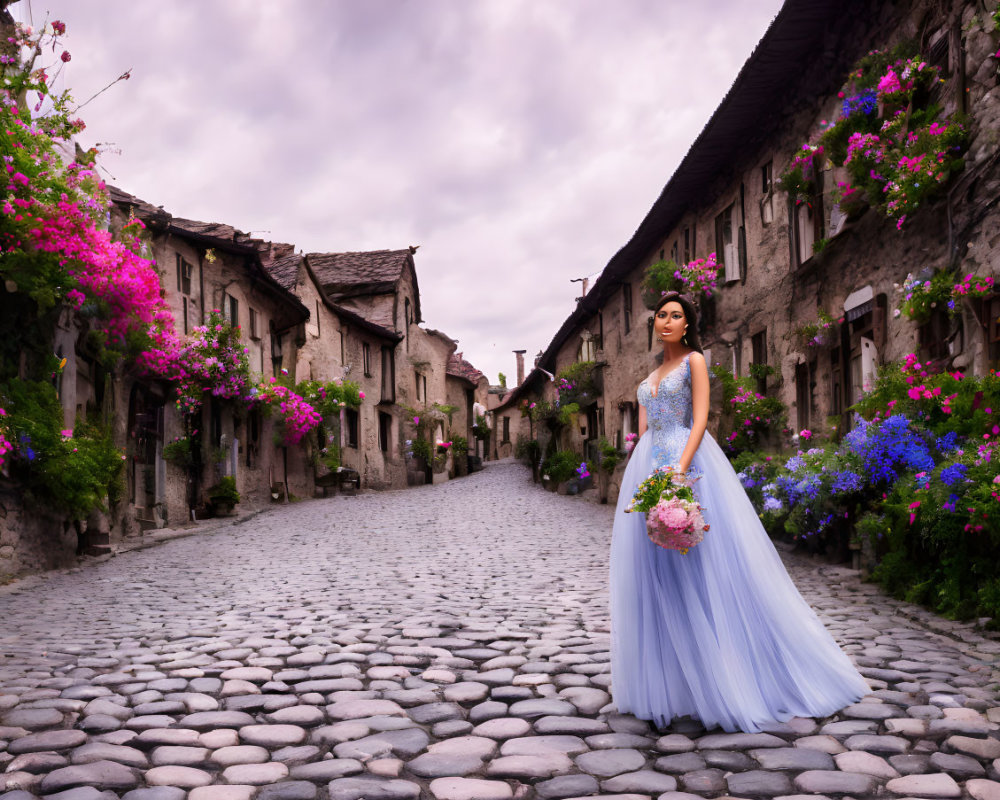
x=674, y=518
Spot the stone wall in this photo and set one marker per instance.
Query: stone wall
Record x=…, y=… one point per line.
x=777, y=292
x=30, y=538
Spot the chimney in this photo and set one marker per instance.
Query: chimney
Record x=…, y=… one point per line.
x=520, y=366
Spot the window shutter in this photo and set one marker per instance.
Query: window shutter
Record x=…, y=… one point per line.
x=742, y=253
x=732, y=262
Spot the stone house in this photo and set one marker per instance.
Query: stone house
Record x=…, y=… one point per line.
x=724, y=198
x=366, y=327
x=465, y=386
x=338, y=344
x=509, y=424
x=206, y=267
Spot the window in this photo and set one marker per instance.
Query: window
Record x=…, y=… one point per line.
x=805, y=385
x=277, y=355
x=388, y=375
x=932, y=337
x=806, y=215
x=506, y=430
x=600, y=330
x=366, y=352
x=384, y=431
x=675, y=251
x=767, y=193
x=805, y=232
x=421, y=387
x=253, y=437
x=627, y=305
x=343, y=347
x=254, y=323
x=836, y=382
x=759, y=345
x=230, y=309
x=184, y=272
x=991, y=307
x=687, y=245
x=350, y=428
x=184, y=312
x=725, y=243
x=406, y=313
x=587, y=350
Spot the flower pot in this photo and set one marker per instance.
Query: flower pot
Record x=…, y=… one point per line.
x=222, y=508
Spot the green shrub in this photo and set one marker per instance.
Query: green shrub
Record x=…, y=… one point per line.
x=561, y=465
x=70, y=471
x=528, y=450
x=224, y=492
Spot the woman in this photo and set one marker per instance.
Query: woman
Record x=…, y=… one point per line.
x=719, y=633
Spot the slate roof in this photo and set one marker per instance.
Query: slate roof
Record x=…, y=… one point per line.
x=285, y=271
x=214, y=235
x=374, y=268
x=460, y=368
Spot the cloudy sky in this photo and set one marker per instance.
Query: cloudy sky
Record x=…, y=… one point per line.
x=518, y=142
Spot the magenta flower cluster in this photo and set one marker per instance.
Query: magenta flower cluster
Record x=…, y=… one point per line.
x=699, y=276
x=5, y=445
x=297, y=415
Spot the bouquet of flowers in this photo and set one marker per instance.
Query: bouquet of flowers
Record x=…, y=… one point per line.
x=673, y=517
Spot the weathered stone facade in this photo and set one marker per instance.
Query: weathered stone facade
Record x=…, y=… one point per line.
x=782, y=99
x=205, y=268
x=323, y=317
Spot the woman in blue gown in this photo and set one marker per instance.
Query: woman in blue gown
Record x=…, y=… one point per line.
x=720, y=633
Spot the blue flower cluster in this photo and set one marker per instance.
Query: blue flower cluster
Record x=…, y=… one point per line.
x=772, y=503
x=954, y=473
x=889, y=448
x=864, y=103
x=947, y=442
x=795, y=463
x=797, y=488
x=846, y=481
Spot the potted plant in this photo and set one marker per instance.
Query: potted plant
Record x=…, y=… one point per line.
x=460, y=455
x=608, y=459
x=558, y=469
x=223, y=496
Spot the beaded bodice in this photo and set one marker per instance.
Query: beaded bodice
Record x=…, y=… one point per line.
x=668, y=413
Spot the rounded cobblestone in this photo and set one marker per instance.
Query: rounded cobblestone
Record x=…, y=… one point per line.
x=277, y=657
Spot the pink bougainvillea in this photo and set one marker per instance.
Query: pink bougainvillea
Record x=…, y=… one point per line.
x=298, y=417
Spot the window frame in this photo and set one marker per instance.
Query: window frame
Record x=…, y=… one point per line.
x=384, y=432
x=352, y=428
x=727, y=243
x=388, y=375
x=758, y=349
x=627, y=306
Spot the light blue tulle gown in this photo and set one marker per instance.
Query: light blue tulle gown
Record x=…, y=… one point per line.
x=721, y=633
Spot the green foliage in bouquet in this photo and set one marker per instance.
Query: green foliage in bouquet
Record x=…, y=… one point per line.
x=664, y=482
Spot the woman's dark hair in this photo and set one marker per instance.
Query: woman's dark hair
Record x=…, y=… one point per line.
x=690, y=315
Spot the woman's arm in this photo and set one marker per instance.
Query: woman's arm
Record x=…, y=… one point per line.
x=642, y=420
x=699, y=408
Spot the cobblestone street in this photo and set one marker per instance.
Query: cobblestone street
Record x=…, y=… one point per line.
x=445, y=641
